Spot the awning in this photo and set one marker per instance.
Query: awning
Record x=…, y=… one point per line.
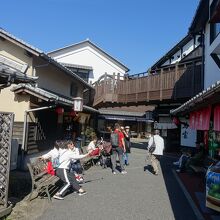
x=90, y=109
x=144, y=120
x=117, y=117
x=164, y=126
x=121, y=113
x=124, y=118
x=48, y=96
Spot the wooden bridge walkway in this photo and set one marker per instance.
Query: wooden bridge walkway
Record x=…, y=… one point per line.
x=176, y=82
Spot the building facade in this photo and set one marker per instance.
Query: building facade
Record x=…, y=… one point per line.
x=91, y=57
x=44, y=109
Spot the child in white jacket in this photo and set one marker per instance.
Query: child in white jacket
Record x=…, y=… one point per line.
x=66, y=155
x=53, y=155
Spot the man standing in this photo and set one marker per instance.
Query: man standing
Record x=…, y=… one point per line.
x=118, y=148
x=158, y=141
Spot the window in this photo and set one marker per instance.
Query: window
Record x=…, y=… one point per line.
x=73, y=89
x=214, y=31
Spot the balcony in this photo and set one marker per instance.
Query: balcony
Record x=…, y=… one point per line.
x=170, y=84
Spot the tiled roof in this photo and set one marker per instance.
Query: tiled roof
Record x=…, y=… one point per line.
x=11, y=75
x=199, y=98
x=124, y=113
x=35, y=50
x=48, y=96
x=2, y=31
x=77, y=66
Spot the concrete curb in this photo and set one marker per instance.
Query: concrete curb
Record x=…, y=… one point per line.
x=188, y=197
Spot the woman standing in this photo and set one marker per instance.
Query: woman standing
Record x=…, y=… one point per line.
x=127, y=135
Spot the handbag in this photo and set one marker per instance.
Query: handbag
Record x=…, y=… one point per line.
x=152, y=147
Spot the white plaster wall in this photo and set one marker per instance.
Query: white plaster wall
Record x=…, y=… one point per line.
x=89, y=57
x=186, y=50
x=176, y=58
x=166, y=63
x=212, y=72
x=188, y=47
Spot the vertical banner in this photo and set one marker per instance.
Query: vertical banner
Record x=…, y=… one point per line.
x=217, y=118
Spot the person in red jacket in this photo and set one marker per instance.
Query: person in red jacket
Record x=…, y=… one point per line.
x=118, y=148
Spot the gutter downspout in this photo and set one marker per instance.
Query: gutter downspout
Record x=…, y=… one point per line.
x=203, y=61
x=25, y=128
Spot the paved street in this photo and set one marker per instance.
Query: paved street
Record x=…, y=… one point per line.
x=136, y=195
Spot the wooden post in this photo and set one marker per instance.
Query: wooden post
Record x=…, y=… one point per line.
x=113, y=88
x=175, y=79
x=104, y=88
x=118, y=89
x=193, y=80
x=161, y=85
x=136, y=89
x=148, y=87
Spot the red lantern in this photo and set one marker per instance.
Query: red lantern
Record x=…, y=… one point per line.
x=59, y=110
x=72, y=113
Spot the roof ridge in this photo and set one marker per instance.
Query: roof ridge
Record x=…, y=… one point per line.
x=94, y=45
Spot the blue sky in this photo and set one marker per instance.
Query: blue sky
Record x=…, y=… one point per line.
x=136, y=32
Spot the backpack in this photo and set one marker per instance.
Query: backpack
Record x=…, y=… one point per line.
x=115, y=139
x=152, y=147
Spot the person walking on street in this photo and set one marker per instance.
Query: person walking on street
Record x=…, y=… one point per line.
x=118, y=148
x=127, y=135
x=158, y=142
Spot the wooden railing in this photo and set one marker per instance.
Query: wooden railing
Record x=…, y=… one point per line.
x=161, y=85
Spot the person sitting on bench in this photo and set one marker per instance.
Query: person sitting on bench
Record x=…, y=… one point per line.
x=198, y=158
x=181, y=163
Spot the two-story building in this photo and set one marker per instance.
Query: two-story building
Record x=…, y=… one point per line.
x=203, y=109
x=93, y=61
x=44, y=111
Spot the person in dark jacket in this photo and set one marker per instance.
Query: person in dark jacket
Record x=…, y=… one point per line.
x=127, y=137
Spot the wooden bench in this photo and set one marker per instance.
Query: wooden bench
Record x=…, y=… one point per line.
x=202, y=169
x=42, y=182
x=134, y=134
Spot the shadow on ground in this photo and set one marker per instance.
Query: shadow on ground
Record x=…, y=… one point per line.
x=180, y=205
x=140, y=145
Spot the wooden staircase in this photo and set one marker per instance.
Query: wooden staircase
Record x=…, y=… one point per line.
x=35, y=134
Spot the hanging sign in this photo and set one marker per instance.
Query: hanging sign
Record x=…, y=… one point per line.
x=78, y=104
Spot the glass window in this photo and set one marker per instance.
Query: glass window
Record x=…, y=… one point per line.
x=214, y=31
x=73, y=89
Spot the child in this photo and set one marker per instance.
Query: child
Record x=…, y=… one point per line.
x=75, y=165
x=53, y=155
x=65, y=157
x=92, y=144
